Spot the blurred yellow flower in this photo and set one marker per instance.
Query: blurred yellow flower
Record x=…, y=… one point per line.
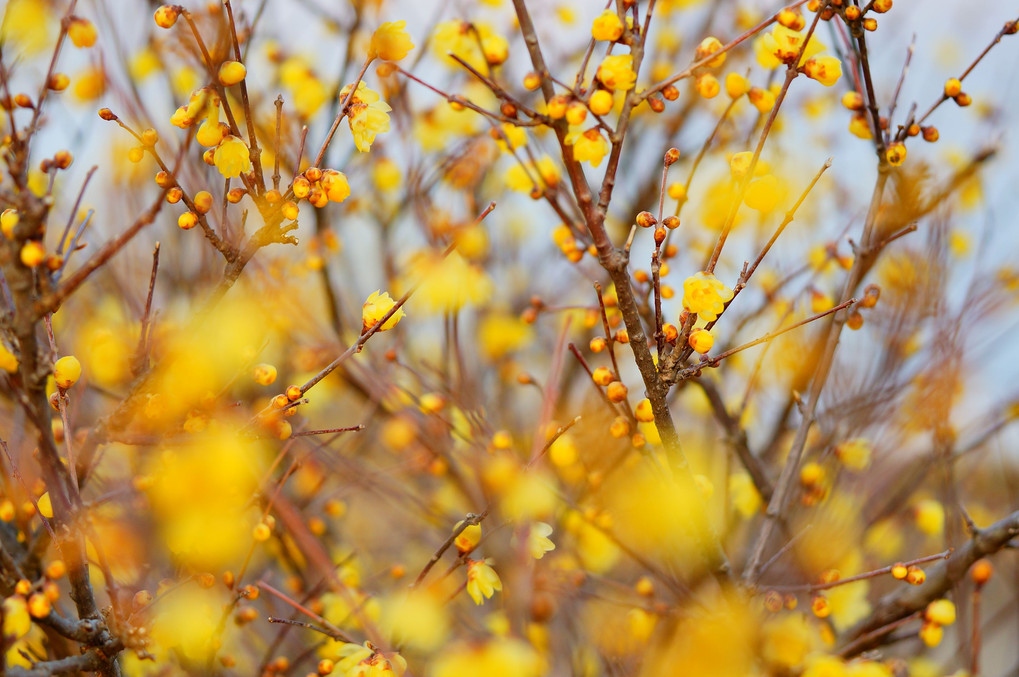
x=482, y=581
x=538, y=541
x=390, y=41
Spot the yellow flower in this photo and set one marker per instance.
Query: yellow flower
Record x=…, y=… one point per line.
x=616, y=72
x=500, y=334
x=461, y=38
x=308, y=91
x=705, y=296
x=590, y=146
x=67, y=371
x=89, y=84
x=736, y=85
x=232, y=158
x=781, y=46
x=940, y=611
x=356, y=660
x=368, y=115
x=28, y=24
x=519, y=177
x=701, y=340
x=390, y=41
x=82, y=32
x=376, y=307
x=16, y=622
x=335, y=185
x=743, y=495
x=500, y=657
x=469, y=538
x=538, y=541
x=482, y=581
x=825, y=69
x=787, y=640
x=607, y=26
x=8, y=362
x=763, y=193
x=854, y=454
x=930, y=517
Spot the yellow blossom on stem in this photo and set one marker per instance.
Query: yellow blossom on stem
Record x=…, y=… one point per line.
x=67, y=371
x=482, y=581
x=607, y=26
x=616, y=72
x=335, y=185
x=368, y=115
x=231, y=72
x=376, y=307
x=825, y=69
x=590, y=146
x=232, y=158
x=781, y=46
x=469, y=538
x=701, y=340
x=390, y=41
x=705, y=296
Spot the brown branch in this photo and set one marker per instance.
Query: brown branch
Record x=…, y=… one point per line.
x=940, y=578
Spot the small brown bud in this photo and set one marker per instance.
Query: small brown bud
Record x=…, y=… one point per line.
x=659, y=235
x=670, y=93
x=671, y=222
x=508, y=109
x=646, y=220
x=657, y=105
x=107, y=114
x=930, y=134
x=671, y=156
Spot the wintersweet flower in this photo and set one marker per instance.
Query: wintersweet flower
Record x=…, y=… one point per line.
x=607, y=26
x=616, y=72
x=855, y=454
x=825, y=69
x=781, y=46
x=590, y=146
x=521, y=178
x=705, y=296
x=376, y=307
x=232, y=157
x=82, y=32
x=538, y=541
x=368, y=115
x=460, y=38
x=482, y=581
x=335, y=185
x=390, y=41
